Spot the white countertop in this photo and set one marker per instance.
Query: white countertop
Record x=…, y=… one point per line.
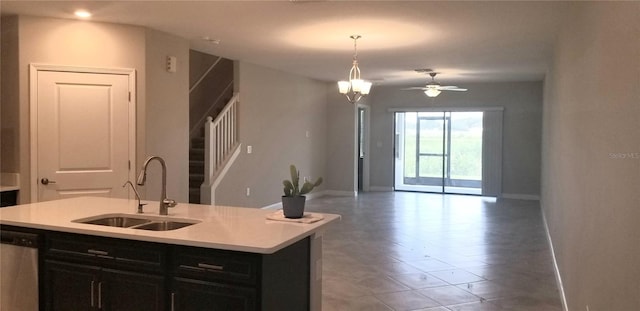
x=221, y=227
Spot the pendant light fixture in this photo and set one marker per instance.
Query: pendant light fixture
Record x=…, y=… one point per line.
x=356, y=88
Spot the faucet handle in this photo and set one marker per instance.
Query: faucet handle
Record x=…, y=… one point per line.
x=170, y=202
x=140, y=206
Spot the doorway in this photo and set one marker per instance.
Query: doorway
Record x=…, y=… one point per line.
x=82, y=131
x=362, y=156
x=439, y=151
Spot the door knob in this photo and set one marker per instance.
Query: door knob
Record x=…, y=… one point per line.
x=46, y=181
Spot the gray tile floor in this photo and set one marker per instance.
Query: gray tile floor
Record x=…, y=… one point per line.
x=418, y=251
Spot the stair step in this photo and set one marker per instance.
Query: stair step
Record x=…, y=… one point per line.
x=195, y=180
x=197, y=143
x=196, y=166
x=194, y=195
x=197, y=153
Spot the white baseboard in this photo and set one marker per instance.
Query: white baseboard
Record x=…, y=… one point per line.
x=341, y=193
x=380, y=189
x=563, y=298
x=531, y=197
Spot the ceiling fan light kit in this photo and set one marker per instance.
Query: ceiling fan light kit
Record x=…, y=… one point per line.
x=355, y=88
x=433, y=88
x=432, y=92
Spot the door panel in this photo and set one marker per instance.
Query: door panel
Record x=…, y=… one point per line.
x=130, y=291
x=82, y=133
x=70, y=286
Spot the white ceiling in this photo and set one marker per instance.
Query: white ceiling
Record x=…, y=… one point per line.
x=466, y=41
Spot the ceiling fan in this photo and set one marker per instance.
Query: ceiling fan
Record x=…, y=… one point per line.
x=433, y=88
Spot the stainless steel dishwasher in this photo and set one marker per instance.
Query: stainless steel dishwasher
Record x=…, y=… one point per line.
x=18, y=271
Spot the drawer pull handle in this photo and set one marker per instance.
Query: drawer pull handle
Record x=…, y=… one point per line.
x=97, y=252
x=99, y=295
x=210, y=267
x=93, y=304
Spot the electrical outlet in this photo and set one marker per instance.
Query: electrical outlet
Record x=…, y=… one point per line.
x=249, y=149
x=248, y=191
x=308, y=134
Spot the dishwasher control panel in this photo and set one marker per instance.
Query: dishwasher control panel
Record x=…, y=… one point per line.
x=19, y=238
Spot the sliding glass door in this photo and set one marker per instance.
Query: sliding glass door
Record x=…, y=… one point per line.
x=438, y=152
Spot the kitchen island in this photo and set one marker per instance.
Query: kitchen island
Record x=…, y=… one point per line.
x=231, y=257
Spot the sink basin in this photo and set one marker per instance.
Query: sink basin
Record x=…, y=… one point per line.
x=164, y=225
x=152, y=223
x=117, y=221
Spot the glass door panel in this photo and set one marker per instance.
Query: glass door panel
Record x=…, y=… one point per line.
x=465, y=167
x=438, y=152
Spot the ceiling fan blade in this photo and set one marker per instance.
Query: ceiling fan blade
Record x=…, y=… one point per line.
x=414, y=88
x=456, y=89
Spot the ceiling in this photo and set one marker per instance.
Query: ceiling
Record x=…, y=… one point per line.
x=473, y=41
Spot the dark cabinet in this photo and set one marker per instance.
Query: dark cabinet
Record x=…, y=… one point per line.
x=97, y=273
x=211, y=279
x=91, y=273
x=196, y=295
x=130, y=291
x=8, y=198
x=70, y=286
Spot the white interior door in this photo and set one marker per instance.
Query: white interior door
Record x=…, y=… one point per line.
x=83, y=134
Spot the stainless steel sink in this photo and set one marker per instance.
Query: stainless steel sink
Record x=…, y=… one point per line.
x=164, y=225
x=117, y=221
x=152, y=223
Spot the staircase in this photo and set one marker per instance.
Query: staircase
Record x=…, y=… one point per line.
x=211, y=88
x=196, y=167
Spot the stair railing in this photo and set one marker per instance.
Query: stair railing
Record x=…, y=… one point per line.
x=221, y=140
x=198, y=125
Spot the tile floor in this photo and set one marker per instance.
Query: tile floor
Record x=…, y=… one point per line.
x=418, y=251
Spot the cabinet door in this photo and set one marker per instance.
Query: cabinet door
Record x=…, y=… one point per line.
x=194, y=295
x=130, y=291
x=70, y=286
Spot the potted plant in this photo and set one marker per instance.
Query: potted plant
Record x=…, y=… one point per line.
x=293, y=198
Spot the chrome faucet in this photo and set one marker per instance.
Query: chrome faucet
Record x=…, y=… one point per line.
x=140, y=204
x=164, y=202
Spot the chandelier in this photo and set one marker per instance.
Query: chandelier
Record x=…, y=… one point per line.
x=356, y=88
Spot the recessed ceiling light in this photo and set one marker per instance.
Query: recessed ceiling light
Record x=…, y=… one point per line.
x=82, y=13
x=210, y=40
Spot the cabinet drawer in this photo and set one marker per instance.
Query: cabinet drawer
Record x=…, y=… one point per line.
x=202, y=263
x=106, y=251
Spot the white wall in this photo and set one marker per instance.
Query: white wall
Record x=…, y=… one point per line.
x=522, y=123
x=591, y=156
x=276, y=109
x=167, y=115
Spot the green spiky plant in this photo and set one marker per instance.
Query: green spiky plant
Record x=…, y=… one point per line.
x=291, y=187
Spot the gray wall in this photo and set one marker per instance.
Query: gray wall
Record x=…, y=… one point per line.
x=522, y=102
x=73, y=43
x=591, y=156
x=341, y=142
x=9, y=90
x=167, y=115
x=276, y=109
